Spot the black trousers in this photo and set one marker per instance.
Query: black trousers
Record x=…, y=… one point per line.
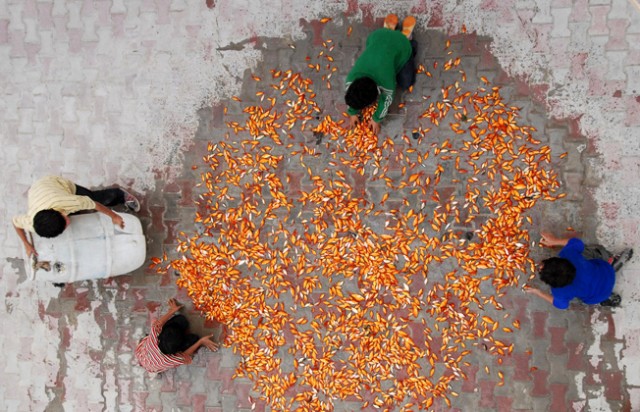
x=407, y=75
x=595, y=251
x=107, y=197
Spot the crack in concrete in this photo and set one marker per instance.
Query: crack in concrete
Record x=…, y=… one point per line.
x=235, y=46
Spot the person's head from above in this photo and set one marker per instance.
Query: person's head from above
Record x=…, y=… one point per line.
x=557, y=272
x=361, y=93
x=171, y=340
x=50, y=223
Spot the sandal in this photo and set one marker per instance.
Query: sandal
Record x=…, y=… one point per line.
x=407, y=26
x=613, y=301
x=391, y=22
x=131, y=202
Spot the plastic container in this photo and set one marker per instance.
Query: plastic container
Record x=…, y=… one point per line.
x=91, y=247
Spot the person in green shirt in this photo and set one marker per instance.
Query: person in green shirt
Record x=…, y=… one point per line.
x=387, y=61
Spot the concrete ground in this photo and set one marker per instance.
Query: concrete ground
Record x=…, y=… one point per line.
x=132, y=92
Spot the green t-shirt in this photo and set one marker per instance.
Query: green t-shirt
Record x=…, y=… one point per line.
x=384, y=55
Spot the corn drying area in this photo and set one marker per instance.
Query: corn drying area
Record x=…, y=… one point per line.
x=369, y=261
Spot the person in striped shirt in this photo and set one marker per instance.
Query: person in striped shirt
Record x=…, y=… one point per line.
x=388, y=60
x=53, y=198
x=170, y=344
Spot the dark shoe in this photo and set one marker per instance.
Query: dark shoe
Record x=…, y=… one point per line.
x=613, y=301
x=620, y=259
x=131, y=202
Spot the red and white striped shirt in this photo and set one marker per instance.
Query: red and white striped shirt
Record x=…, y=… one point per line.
x=152, y=359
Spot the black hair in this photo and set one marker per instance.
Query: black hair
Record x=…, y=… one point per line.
x=49, y=223
x=171, y=340
x=361, y=93
x=174, y=337
x=557, y=272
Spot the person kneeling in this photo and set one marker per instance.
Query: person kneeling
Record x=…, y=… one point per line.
x=52, y=199
x=387, y=61
x=586, y=273
x=170, y=344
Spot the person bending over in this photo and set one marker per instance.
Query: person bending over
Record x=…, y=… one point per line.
x=388, y=60
x=586, y=273
x=170, y=344
x=53, y=198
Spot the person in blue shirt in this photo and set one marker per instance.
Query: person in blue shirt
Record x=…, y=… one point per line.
x=588, y=274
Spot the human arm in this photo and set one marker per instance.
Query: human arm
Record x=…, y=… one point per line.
x=385, y=98
x=174, y=306
x=537, y=292
x=203, y=341
x=27, y=245
x=549, y=240
x=375, y=126
x=353, y=120
x=115, y=218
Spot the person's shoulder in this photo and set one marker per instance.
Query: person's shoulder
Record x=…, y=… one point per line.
x=574, y=244
x=53, y=181
x=22, y=222
x=156, y=327
x=562, y=296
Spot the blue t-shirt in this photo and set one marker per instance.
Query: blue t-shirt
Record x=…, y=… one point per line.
x=593, y=282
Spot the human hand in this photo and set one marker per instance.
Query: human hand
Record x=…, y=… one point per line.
x=375, y=126
x=174, y=305
x=117, y=220
x=211, y=345
x=547, y=239
x=537, y=292
x=353, y=120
